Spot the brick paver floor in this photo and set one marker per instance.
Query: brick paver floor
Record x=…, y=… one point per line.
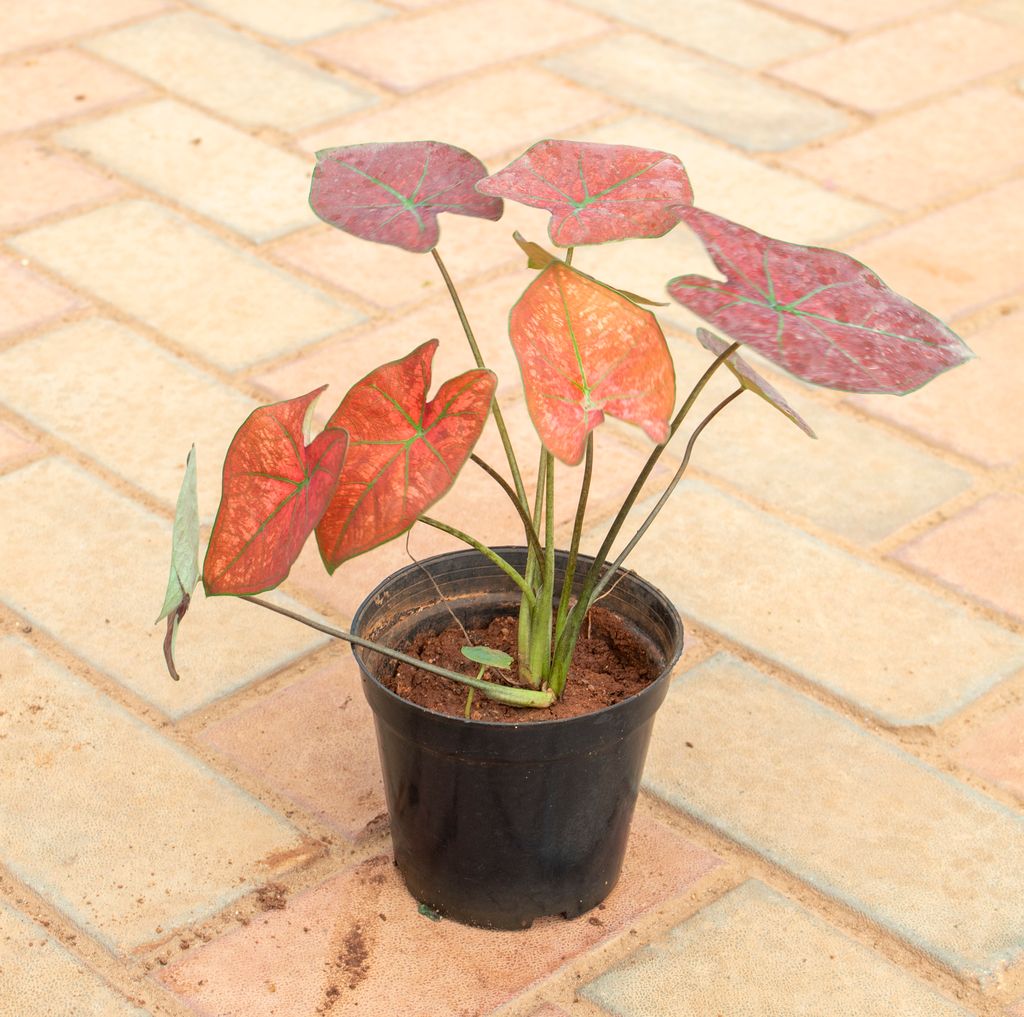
x=832, y=818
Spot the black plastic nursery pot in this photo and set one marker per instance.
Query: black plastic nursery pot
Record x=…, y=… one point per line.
x=497, y=824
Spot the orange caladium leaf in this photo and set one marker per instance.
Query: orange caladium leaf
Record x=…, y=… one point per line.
x=820, y=314
x=392, y=193
x=751, y=380
x=404, y=452
x=596, y=193
x=585, y=350
x=276, y=488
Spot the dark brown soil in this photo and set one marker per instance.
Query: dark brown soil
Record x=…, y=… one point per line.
x=610, y=664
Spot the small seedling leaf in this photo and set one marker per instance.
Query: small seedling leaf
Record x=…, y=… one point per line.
x=276, y=488
x=488, y=657
x=750, y=379
x=404, y=452
x=585, y=350
x=392, y=193
x=819, y=314
x=595, y=192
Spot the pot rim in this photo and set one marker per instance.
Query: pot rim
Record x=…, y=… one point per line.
x=605, y=714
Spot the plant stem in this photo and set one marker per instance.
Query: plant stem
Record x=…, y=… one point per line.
x=499, y=420
x=540, y=636
x=534, y=564
x=568, y=255
x=635, y=539
x=559, y=673
x=500, y=693
x=531, y=534
x=487, y=552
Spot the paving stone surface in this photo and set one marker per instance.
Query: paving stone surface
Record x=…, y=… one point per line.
x=103, y=838
x=934, y=861
x=36, y=972
x=751, y=948
x=325, y=947
x=161, y=273
x=219, y=171
x=225, y=71
x=476, y=34
x=744, y=110
x=215, y=299
x=114, y=563
x=904, y=64
x=979, y=552
x=39, y=180
x=870, y=635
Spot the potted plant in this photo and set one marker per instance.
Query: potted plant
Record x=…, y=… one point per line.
x=503, y=808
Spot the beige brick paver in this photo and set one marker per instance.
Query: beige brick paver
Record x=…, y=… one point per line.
x=160, y=268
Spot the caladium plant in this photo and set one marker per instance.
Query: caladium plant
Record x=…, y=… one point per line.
x=586, y=350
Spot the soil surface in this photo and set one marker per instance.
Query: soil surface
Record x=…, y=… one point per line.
x=610, y=664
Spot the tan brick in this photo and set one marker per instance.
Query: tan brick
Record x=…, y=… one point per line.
x=392, y=278
x=848, y=16
x=899, y=66
x=731, y=30
x=28, y=300
x=220, y=172
x=293, y=22
x=855, y=480
x=453, y=966
x=1008, y=12
x=15, y=447
x=930, y=153
x=958, y=259
x=36, y=181
x=125, y=403
x=58, y=84
x=871, y=636
x=493, y=114
x=131, y=835
x=101, y=600
x=50, y=21
x=312, y=742
x=660, y=78
x=406, y=54
x=36, y=971
x=750, y=950
x=979, y=552
x=995, y=749
x=936, y=863
x=200, y=291
x=946, y=411
x=226, y=72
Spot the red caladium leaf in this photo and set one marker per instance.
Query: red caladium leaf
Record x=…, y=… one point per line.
x=585, y=350
x=596, y=193
x=820, y=314
x=750, y=379
x=276, y=488
x=404, y=453
x=392, y=193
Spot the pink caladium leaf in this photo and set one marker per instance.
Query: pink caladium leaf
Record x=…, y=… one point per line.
x=750, y=379
x=404, y=452
x=392, y=193
x=820, y=314
x=276, y=488
x=596, y=193
x=585, y=350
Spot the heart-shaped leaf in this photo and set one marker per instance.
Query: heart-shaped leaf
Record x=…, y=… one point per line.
x=585, y=350
x=596, y=193
x=404, y=452
x=392, y=193
x=820, y=314
x=486, y=656
x=276, y=488
x=750, y=379
x=184, y=560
